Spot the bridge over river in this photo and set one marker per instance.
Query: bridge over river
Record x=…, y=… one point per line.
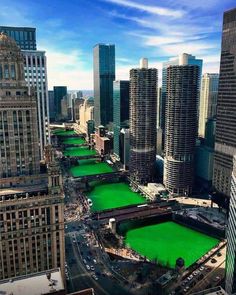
x=134, y=212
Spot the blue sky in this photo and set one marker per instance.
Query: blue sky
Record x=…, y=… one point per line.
x=157, y=29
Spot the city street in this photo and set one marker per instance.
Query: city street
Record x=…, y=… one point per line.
x=87, y=265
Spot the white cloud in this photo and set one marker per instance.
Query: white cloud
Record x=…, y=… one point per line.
x=162, y=40
x=150, y=9
x=67, y=69
x=122, y=72
x=194, y=48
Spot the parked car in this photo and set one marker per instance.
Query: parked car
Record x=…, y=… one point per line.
x=213, y=260
x=88, y=267
x=95, y=277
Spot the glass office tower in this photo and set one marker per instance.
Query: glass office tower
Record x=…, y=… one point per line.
x=225, y=142
x=59, y=93
x=25, y=37
x=104, y=75
x=120, y=111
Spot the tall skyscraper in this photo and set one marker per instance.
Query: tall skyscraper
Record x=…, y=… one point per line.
x=51, y=105
x=225, y=143
x=18, y=124
x=104, y=75
x=182, y=59
x=59, y=93
x=120, y=111
x=181, y=128
x=25, y=37
x=86, y=114
x=230, y=282
x=143, y=122
x=36, y=76
x=31, y=203
x=35, y=65
x=208, y=101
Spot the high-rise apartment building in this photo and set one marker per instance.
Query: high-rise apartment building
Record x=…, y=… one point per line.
x=125, y=147
x=181, y=128
x=86, y=114
x=182, y=59
x=104, y=75
x=51, y=105
x=76, y=103
x=35, y=66
x=208, y=101
x=25, y=37
x=36, y=76
x=225, y=142
x=120, y=111
x=59, y=93
x=143, y=122
x=31, y=203
x=230, y=282
x=18, y=120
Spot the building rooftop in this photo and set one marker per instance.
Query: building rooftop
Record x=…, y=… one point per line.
x=31, y=189
x=212, y=291
x=7, y=43
x=35, y=284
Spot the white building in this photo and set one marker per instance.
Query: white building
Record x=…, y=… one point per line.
x=86, y=113
x=36, y=76
x=208, y=100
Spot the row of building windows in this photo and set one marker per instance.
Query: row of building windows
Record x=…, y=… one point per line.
x=7, y=71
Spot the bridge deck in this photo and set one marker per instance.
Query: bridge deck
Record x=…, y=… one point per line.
x=101, y=176
x=132, y=212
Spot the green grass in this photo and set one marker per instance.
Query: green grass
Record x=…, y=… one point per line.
x=113, y=195
x=74, y=140
x=168, y=241
x=79, y=151
x=61, y=132
x=90, y=167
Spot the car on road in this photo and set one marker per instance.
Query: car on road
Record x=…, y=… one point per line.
x=202, y=268
x=95, y=277
x=92, y=268
x=88, y=267
x=84, y=261
x=217, y=279
x=190, y=277
x=74, y=241
x=94, y=261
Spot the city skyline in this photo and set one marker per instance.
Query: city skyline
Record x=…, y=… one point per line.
x=157, y=32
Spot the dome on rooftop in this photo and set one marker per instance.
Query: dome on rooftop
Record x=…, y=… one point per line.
x=7, y=42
